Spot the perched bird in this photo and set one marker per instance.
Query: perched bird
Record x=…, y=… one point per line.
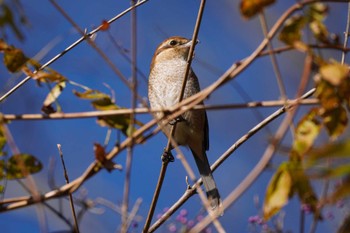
x=164, y=87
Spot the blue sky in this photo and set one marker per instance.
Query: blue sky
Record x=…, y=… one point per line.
x=225, y=37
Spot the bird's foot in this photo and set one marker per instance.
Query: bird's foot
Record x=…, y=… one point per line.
x=167, y=156
x=176, y=120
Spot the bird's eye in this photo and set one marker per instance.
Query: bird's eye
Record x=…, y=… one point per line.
x=173, y=42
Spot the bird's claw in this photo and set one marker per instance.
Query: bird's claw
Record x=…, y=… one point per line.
x=176, y=120
x=167, y=156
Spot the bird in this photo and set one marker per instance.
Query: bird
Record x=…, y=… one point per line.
x=167, y=72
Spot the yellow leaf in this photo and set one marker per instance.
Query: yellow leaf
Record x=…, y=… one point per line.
x=334, y=73
x=278, y=191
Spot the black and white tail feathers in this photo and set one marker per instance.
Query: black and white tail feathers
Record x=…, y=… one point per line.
x=209, y=182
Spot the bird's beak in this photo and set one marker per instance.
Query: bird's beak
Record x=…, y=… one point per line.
x=189, y=43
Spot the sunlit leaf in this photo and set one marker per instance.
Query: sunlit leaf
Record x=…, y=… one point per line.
x=317, y=11
x=303, y=188
x=48, y=75
x=278, y=191
x=2, y=189
x=104, y=104
x=54, y=94
x=320, y=31
x=335, y=121
x=291, y=32
x=21, y=165
x=327, y=94
x=250, y=8
x=334, y=73
x=91, y=94
x=306, y=132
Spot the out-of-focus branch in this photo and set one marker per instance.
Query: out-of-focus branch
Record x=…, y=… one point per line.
x=93, y=114
x=70, y=47
x=190, y=192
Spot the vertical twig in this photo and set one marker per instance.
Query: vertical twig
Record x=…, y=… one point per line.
x=165, y=162
x=268, y=154
x=346, y=34
x=128, y=162
x=76, y=226
x=272, y=55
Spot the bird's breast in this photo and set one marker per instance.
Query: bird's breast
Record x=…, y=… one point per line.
x=165, y=82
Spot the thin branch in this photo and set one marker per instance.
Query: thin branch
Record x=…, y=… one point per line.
x=190, y=192
x=71, y=202
x=172, y=130
x=128, y=163
x=177, y=110
x=93, y=114
x=346, y=35
x=70, y=47
x=268, y=154
x=272, y=55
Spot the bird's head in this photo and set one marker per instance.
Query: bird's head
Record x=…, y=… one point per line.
x=175, y=47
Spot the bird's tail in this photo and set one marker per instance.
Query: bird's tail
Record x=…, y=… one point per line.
x=209, y=182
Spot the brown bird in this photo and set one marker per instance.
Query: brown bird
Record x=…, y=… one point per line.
x=164, y=87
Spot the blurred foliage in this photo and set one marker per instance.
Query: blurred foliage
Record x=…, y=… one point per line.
x=306, y=160
x=15, y=166
x=12, y=17
x=103, y=102
x=250, y=8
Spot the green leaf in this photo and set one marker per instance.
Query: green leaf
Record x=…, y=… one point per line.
x=91, y=94
x=20, y=166
x=320, y=31
x=7, y=18
x=103, y=102
x=303, y=188
x=327, y=95
x=278, y=191
x=3, y=139
x=317, y=12
x=306, y=132
x=250, y=8
x=14, y=59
